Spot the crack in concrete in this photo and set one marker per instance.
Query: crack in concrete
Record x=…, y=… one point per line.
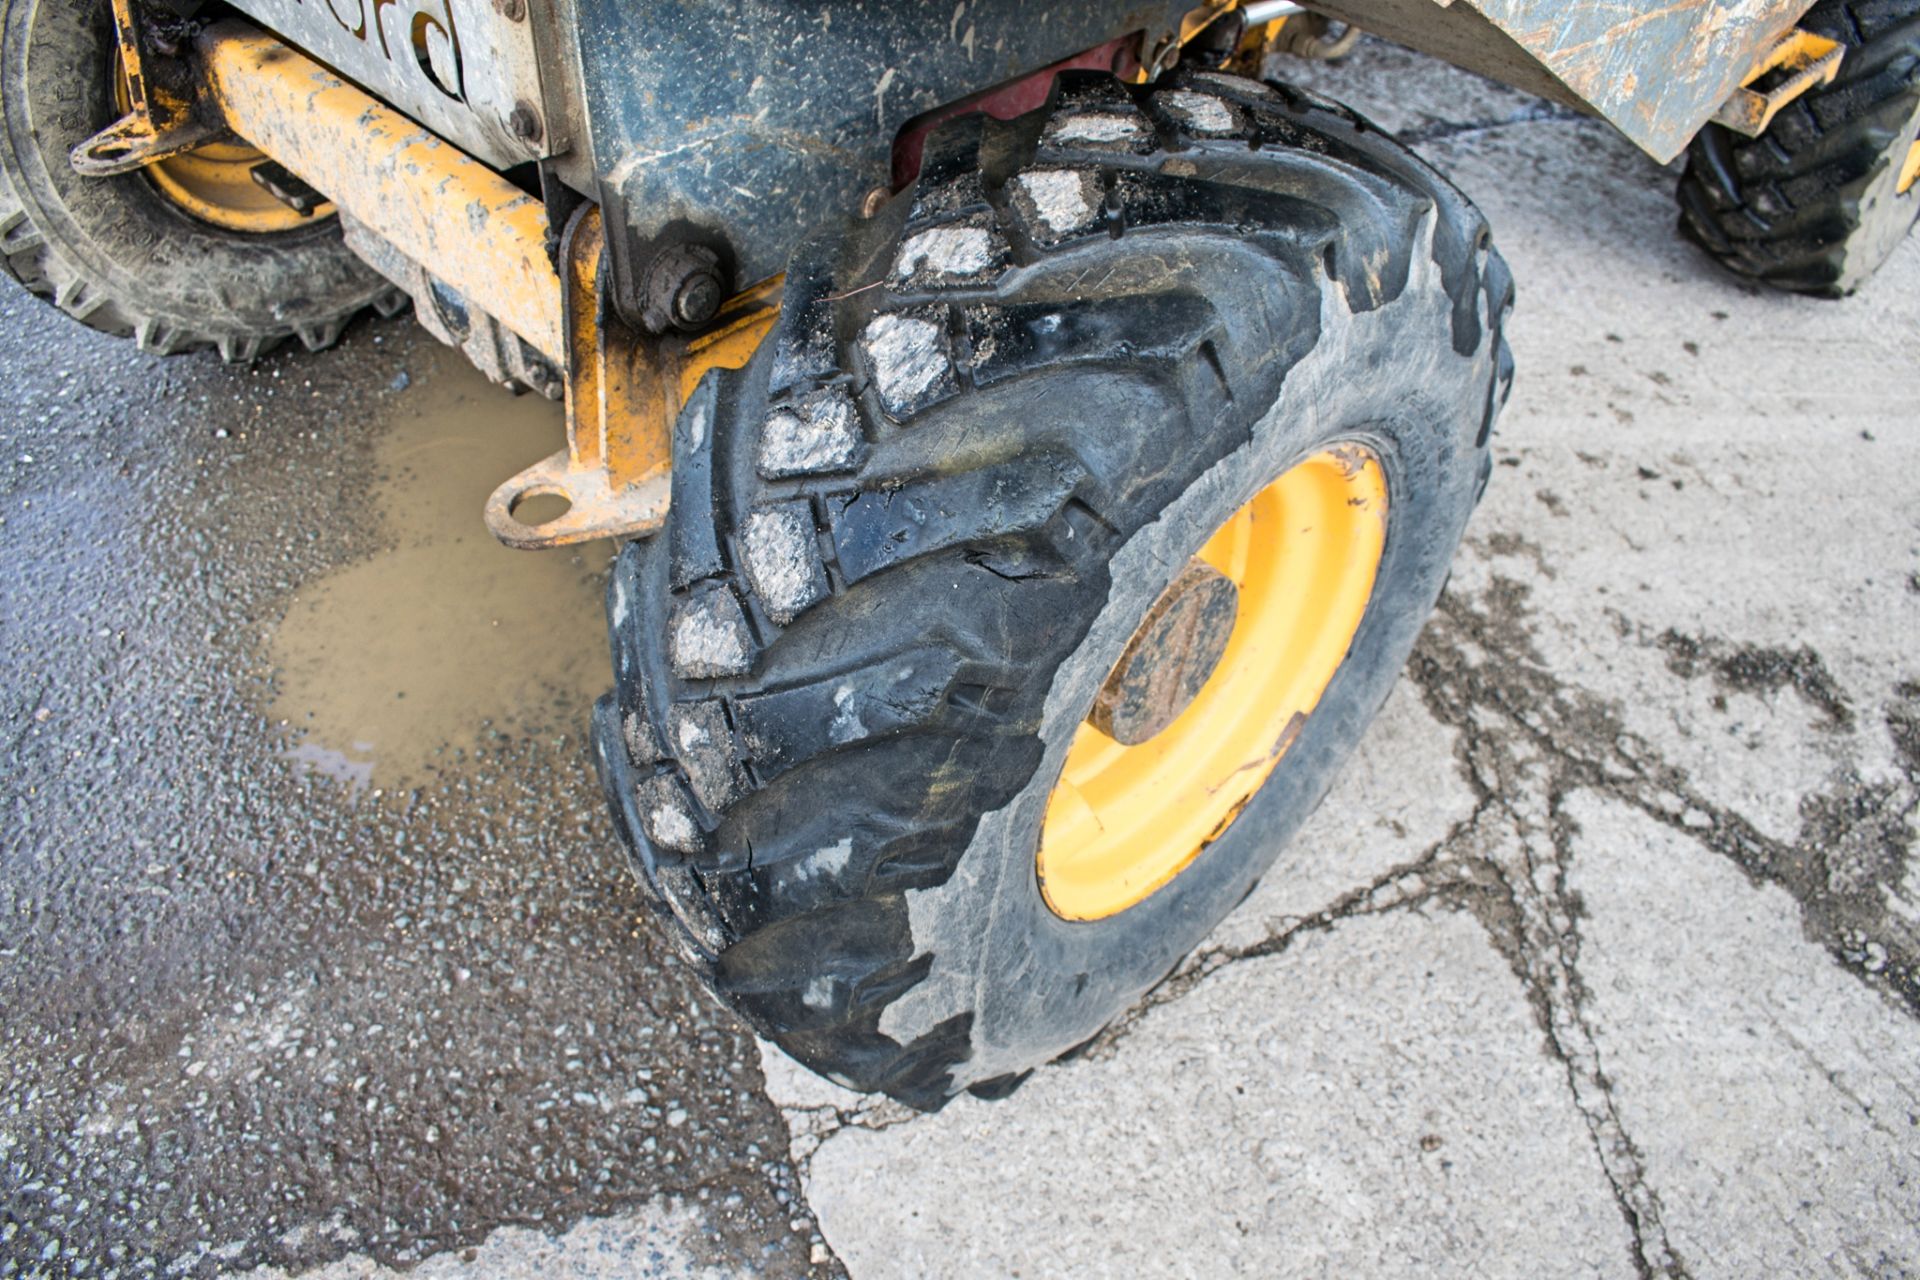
x=1753, y=669
x=1485, y=865
x=1515, y=875
x=1836, y=1082
x=809, y=1127
x=1527, y=738
x=1855, y=837
x=1406, y=886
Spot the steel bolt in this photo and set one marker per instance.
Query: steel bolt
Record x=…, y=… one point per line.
x=697, y=299
x=511, y=10
x=684, y=287
x=524, y=122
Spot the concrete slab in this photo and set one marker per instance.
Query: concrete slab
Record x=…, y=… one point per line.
x=1373, y=1101
x=1773, y=1098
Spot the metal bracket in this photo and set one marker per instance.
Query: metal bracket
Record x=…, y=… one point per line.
x=287, y=187
x=160, y=119
x=624, y=391
x=473, y=250
x=1163, y=54
x=1796, y=63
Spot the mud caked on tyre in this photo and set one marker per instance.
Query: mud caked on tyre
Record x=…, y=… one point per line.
x=1821, y=199
x=1025, y=593
x=157, y=255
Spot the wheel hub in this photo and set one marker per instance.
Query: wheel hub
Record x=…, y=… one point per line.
x=1170, y=657
x=214, y=182
x=1216, y=683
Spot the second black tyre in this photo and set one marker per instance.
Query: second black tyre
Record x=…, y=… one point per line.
x=1818, y=202
x=122, y=255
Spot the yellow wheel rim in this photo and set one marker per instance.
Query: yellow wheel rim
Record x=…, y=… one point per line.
x=215, y=183
x=1303, y=554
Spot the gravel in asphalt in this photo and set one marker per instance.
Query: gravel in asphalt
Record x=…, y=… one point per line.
x=317, y=941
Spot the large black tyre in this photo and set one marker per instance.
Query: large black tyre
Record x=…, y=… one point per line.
x=114, y=253
x=1812, y=205
x=909, y=539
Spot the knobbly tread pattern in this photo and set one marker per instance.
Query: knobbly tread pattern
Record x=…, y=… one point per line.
x=38, y=266
x=30, y=261
x=1786, y=207
x=776, y=719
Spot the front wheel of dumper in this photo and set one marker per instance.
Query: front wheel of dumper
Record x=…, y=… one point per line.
x=1029, y=588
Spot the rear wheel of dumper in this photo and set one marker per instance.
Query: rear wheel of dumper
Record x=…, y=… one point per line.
x=190, y=253
x=1818, y=202
x=1027, y=590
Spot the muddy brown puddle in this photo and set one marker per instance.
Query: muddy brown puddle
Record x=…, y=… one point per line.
x=391, y=666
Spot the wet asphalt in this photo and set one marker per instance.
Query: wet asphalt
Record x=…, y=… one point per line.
x=254, y=1011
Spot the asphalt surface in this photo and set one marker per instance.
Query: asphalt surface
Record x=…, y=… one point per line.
x=275, y=994
x=1600, y=960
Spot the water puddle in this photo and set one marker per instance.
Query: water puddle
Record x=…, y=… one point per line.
x=408, y=661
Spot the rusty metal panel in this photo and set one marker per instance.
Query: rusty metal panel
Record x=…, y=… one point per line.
x=460, y=67
x=1656, y=69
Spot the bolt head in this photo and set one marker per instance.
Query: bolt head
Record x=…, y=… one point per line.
x=697, y=299
x=511, y=10
x=524, y=122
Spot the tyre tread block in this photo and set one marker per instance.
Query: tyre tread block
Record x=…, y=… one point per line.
x=1795, y=208
x=1009, y=341
x=792, y=726
x=892, y=523
x=693, y=539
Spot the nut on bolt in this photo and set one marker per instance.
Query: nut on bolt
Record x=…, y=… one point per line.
x=697, y=299
x=511, y=10
x=684, y=290
x=524, y=122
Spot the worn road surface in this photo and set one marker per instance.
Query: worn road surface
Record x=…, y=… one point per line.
x=1601, y=960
